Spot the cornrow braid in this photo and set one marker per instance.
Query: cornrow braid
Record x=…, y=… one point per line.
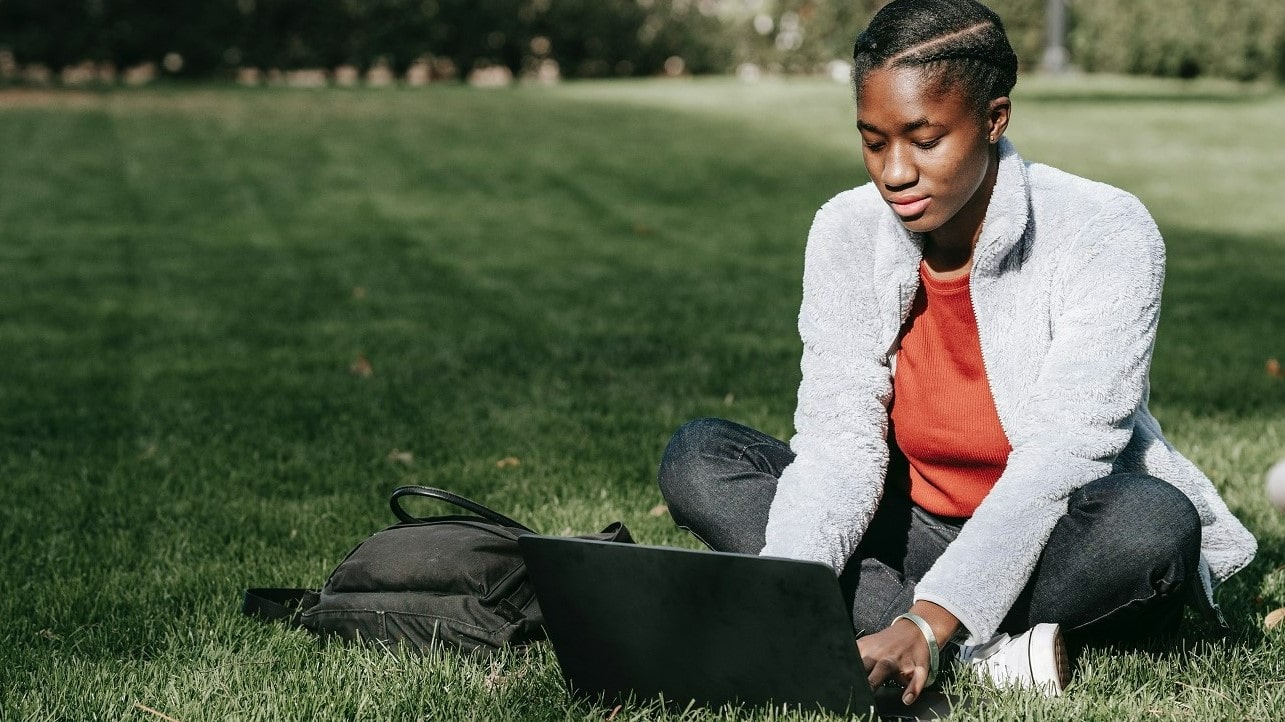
x=960, y=45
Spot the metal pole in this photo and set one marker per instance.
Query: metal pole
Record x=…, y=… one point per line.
x=1056, y=58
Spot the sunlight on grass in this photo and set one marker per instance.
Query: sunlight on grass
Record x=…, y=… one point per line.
x=1202, y=154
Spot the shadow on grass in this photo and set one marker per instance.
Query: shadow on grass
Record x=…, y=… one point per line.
x=1221, y=322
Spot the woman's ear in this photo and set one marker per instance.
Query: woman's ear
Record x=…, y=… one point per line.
x=997, y=113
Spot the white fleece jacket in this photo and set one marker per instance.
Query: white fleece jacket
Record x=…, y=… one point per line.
x=1066, y=284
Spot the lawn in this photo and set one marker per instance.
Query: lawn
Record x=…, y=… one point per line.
x=235, y=319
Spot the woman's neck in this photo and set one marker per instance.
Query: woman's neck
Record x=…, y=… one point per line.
x=948, y=250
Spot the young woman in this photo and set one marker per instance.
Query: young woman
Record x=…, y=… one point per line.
x=973, y=451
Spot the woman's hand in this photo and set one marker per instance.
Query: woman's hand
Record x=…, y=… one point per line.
x=900, y=652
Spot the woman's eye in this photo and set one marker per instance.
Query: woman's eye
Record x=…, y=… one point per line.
x=874, y=144
x=927, y=144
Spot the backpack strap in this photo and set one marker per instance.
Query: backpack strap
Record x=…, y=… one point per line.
x=450, y=498
x=272, y=604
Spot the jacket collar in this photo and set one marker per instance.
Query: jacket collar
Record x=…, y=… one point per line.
x=1009, y=211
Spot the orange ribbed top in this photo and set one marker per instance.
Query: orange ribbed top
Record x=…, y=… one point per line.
x=943, y=414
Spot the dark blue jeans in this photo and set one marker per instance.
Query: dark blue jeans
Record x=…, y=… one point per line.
x=1117, y=567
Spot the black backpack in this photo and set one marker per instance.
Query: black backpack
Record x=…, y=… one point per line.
x=453, y=580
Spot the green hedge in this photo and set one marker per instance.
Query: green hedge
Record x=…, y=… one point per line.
x=587, y=37
x=1243, y=39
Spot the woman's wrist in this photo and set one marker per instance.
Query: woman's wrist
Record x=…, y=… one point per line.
x=944, y=624
x=934, y=651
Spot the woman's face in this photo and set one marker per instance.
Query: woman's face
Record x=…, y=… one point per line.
x=929, y=153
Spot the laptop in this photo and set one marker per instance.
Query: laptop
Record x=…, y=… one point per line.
x=709, y=628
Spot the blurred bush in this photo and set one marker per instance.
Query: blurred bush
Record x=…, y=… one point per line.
x=1244, y=39
x=794, y=35
x=586, y=37
x=591, y=38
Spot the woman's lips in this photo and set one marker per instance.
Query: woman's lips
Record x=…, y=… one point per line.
x=910, y=206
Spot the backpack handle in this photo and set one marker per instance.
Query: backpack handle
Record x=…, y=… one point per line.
x=450, y=498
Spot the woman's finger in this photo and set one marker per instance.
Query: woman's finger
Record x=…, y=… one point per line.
x=915, y=686
x=883, y=670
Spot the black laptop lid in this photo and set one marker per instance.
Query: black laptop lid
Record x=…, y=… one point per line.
x=696, y=625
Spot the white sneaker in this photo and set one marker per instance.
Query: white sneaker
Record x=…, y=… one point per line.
x=1036, y=658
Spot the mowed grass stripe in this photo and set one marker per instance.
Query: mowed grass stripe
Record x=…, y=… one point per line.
x=557, y=275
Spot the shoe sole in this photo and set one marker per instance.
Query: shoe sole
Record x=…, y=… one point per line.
x=1050, y=681
x=1063, y=661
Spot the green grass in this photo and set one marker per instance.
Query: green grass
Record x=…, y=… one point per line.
x=558, y=275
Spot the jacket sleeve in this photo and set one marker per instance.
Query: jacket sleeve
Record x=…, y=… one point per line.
x=827, y=496
x=1077, y=419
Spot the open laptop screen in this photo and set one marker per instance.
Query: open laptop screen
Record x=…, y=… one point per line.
x=700, y=626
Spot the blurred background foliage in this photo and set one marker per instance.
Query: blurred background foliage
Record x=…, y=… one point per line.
x=1241, y=39
x=1244, y=39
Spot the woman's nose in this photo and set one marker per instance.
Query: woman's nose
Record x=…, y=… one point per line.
x=899, y=169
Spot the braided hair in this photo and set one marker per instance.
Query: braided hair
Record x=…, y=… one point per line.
x=959, y=44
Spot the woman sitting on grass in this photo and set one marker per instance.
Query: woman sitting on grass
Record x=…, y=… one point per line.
x=973, y=450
